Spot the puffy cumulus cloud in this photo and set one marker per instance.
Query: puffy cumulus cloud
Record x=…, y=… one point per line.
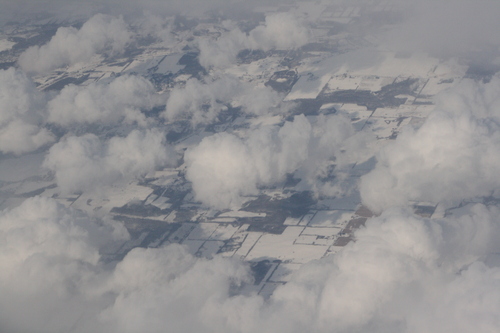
x=48, y=259
x=202, y=102
x=21, y=114
x=42, y=227
x=454, y=155
x=222, y=52
x=404, y=273
x=86, y=162
x=224, y=167
x=100, y=34
x=280, y=31
x=52, y=279
x=199, y=101
x=221, y=170
x=173, y=290
x=19, y=137
x=18, y=96
x=109, y=103
x=401, y=275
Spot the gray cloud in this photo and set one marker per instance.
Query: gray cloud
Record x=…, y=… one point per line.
x=151, y=24
x=445, y=28
x=24, y=10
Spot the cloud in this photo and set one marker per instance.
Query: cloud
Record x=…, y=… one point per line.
x=52, y=279
x=42, y=228
x=122, y=99
x=24, y=111
x=174, y=290
x=404, y=273
x=221, y=170
x=224, y=167
x=48, y=263
x=280, y=31
x=21, y=114
x=202, y=102
x=445, y=28
x=155, y=26
x=452, y=157
x=86, y=162
x=65, y=10
x=101, y=34
x=401, y=275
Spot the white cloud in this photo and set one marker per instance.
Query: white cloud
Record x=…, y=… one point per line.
x=21, y=114
x=100, y=34
x=48, y=266
x=280, y=31
x=86, y=162
x=41, y=226
x=51, y=279
x=173, y=290
x=403, y=274
x=453, y=156
x=202, y=102
x=221, y=170
x=224, y=167
x=107, y=103
x=222, y=52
